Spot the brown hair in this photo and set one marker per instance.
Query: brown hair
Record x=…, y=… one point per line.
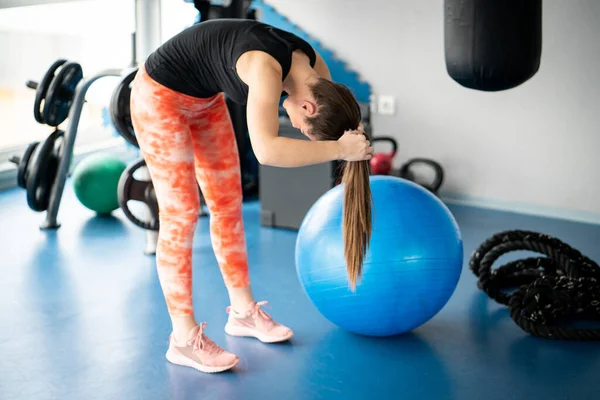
x=337, y=112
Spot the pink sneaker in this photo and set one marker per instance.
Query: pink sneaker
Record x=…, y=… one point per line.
x=256, y=323
x=200, y=352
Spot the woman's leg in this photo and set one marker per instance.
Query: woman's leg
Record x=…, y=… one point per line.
x=166, y=145
x=163, y=133
x=218, y=173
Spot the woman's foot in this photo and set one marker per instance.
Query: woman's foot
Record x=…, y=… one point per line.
x=200, y=352
x=255, y=322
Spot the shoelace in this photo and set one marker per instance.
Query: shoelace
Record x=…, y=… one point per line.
x=201, y=342
x=256, y=311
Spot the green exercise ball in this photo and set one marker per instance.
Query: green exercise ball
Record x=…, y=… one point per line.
x=95, y=180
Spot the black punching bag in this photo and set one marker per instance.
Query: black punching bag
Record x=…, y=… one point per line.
x=492, y=45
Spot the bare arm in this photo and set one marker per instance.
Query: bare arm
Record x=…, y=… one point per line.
x=321, y=68
x=263, y=125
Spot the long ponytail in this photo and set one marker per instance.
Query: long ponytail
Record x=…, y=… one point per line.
x=356, y=224
x=338, y=111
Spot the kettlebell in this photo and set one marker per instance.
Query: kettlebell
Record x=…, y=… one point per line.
x=381, y=163
x=406, y=173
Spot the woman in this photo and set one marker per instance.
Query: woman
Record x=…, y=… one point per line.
x=186, y=137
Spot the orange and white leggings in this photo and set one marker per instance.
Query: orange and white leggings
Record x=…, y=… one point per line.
x=187, y=141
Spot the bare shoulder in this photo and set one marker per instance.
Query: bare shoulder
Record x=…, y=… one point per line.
x=321, y=67
x=254, y=66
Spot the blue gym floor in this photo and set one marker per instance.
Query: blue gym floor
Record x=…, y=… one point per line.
x=82, y=317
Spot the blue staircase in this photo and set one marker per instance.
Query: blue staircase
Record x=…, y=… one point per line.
x=340, y=71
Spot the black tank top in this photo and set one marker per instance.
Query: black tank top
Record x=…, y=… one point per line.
x=200, y=61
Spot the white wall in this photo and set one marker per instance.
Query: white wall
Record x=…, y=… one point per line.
x=534, y=146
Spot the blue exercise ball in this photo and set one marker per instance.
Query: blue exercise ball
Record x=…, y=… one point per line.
x=411, y=268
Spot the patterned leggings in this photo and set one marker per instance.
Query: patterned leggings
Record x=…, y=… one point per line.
x=187, y=141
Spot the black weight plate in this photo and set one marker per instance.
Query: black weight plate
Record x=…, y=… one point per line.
x=119, y=108
x=42, y=89
x=60, y=94
x=23, y=164
x=133, y=189
x=42, y=170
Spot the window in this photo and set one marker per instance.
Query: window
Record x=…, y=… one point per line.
x=95, y=33
x=175, y=16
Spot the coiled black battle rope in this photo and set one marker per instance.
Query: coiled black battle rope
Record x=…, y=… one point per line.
x=553, y=291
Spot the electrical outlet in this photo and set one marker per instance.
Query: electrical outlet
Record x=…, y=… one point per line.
x=386, y=105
